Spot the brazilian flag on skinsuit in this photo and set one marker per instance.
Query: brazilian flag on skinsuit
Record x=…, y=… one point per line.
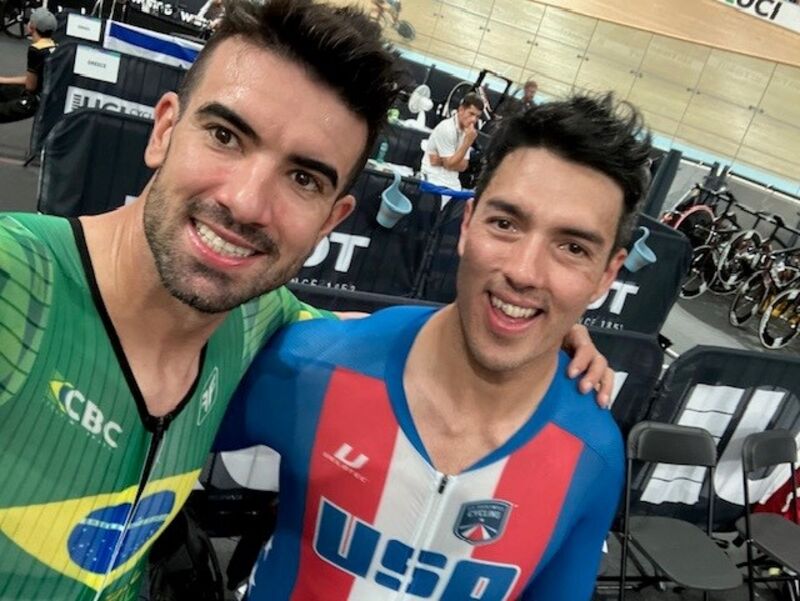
x=77, y=515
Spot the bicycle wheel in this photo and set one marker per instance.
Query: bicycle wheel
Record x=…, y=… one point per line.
x=738, y=260
x=456, y=95
x=696, y=225
x=701, y=270
x=779, y=324
x=406, y=31
x=12, y=19
x=749, y=299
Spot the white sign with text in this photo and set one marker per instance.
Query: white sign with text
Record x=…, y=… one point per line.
x=96, y=63
x=785, y=14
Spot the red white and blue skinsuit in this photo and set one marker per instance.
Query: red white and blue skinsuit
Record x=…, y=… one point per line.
x=364, y=516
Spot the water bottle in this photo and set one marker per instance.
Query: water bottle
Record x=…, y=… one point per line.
x=382, y=150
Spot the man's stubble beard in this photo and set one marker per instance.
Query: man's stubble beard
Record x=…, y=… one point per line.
x=176, y=272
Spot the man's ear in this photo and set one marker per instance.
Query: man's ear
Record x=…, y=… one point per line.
x=165, y=116
x=610, y=274
x=339, y=212
x=469, y=209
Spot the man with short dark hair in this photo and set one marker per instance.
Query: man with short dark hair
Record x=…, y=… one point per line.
x=125, y=334
x=19, y=95
x=448, y=148
x=446, y=454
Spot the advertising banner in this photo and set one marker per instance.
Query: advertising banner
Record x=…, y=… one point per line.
x=779, y=12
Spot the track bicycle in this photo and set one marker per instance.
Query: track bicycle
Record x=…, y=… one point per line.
x=745, y=252
x=780, y=321
x=696, y=210
x=387, y=14
x=779, y=270
x=705, y=257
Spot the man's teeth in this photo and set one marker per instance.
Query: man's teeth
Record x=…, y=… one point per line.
x=218, y=245
x=513, y=310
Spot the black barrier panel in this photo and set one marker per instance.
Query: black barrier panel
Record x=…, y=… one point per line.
x=438, y=271
x=361, y=255
x=641, y=300
x=637, y=360
x=139, y=82
x=404, y=145
x=731, y=393
x=664, y=168
x=162, y=23
x=92, y=160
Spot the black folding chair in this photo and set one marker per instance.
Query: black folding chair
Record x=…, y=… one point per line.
x=679, y=551
x=775, y=537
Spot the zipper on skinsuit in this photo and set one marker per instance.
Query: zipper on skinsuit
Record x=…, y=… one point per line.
x=429, y=519
x=160, y=425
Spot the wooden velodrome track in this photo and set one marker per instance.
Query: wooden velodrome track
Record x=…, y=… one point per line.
x=700, y=21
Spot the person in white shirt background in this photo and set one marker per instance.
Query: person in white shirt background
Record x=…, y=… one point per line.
x=448, y=148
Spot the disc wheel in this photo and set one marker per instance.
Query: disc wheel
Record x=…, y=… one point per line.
x=696, y=226
x=780, y=321
x=737, y=261
x=748, y=300
x=701, y=269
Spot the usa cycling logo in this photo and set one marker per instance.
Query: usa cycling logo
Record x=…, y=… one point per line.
x=108, y=537
x=482, y=522
x=73, y=403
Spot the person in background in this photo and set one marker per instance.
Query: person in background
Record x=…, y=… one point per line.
x=529, y=95
x=448, y=148
x=19, y=94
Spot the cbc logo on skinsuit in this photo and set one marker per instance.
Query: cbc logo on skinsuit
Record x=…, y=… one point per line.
x=85, y=412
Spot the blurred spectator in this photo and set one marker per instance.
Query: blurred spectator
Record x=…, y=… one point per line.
x=19, y=94
x=529, y=93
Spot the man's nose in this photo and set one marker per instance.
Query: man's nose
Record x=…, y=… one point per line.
x=250, y=191
x=528, y=265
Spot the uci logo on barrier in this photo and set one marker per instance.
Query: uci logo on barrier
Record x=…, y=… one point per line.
x=83, y=411
x=357, y=548
x=767, y=9
x=79, y=98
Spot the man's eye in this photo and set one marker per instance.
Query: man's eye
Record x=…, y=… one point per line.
x=222, y=135
x=502, y=224
x=307, y=181
x=576, y=249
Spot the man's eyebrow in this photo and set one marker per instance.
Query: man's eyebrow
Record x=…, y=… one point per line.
x=587, y=235
x=513, y=210
x=314, y=165
x=215, y=109
x=507, y=207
